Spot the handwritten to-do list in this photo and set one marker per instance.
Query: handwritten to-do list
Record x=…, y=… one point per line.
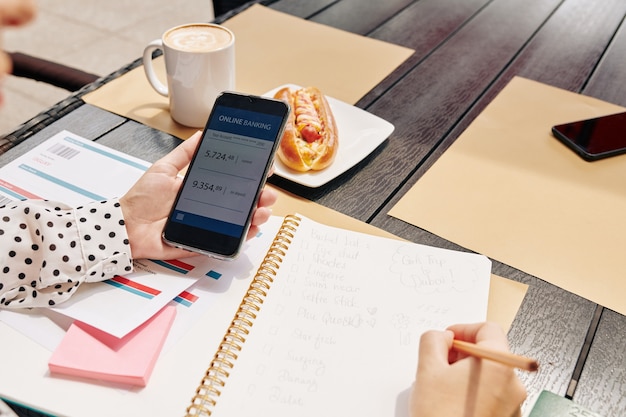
x=339, y=329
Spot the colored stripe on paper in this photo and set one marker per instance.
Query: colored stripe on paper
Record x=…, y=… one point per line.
x=62, y=183
x=186, y=298
x=175, y=265
x=213, y=274
x=133, y=287
x=106, y=153
x=16, y=192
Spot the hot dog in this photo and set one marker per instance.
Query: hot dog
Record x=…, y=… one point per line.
x=310, y=138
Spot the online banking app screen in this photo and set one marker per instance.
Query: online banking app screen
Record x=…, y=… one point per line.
x=227, y=170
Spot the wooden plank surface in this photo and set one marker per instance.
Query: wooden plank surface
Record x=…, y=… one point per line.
x=608, y=81
x=369, y=14
x=465, y=53
x=602, y=386
x=536, y=62
x=303, y=9
x=81, y=121
x=426, y=103
x=437, y=21
x=602, y=383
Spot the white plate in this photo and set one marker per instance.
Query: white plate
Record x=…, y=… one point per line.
x=360, y=133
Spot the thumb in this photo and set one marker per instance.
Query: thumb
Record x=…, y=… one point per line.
x=180, y=157
x=434, y=350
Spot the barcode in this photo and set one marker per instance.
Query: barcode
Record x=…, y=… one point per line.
x=63, y=151
x=3, y=202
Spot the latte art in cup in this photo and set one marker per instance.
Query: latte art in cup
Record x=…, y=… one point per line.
x=197, y=38
x=199, y=64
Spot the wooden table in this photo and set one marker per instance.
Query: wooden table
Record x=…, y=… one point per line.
x=466, y=51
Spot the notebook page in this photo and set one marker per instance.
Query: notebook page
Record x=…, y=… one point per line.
x=338, y=332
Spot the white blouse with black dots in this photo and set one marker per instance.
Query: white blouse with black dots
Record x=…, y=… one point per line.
x=48, y=249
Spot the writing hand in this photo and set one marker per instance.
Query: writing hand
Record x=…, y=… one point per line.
x=449, y=383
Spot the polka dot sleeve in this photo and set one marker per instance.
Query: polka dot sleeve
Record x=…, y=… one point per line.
x=47, y=250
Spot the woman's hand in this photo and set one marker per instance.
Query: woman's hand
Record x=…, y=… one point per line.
x=449, y=383
x=147, y=204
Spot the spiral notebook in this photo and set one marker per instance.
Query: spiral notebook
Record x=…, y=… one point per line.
x=331, y=322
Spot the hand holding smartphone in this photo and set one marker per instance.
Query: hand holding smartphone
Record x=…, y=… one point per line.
x=214, y=207
x=595, y=138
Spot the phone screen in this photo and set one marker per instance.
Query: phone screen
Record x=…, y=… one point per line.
x=215, y=204
x=595, y=138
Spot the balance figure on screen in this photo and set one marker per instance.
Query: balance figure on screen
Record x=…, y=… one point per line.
x=48, y=249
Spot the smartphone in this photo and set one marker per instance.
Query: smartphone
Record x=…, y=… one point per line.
x=213, y=210
x=595, y=138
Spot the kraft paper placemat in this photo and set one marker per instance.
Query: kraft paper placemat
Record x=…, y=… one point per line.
x=505, y=296
x=272, y=48
x=509, y=190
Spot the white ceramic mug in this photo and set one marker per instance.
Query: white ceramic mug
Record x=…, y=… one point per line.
x=200, y=64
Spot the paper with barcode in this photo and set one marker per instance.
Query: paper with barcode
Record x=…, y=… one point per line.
x=70, y=169
x=73, y=170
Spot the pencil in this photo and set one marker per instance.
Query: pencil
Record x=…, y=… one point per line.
x=505, y=358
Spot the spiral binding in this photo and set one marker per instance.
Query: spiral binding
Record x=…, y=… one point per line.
x=223, y=362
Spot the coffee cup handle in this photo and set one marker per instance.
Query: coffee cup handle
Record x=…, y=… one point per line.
x=158, y=86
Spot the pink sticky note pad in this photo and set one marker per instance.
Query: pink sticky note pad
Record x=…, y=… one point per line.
x=88, y=352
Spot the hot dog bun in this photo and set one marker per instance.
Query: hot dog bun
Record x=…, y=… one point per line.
x=310, y=138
